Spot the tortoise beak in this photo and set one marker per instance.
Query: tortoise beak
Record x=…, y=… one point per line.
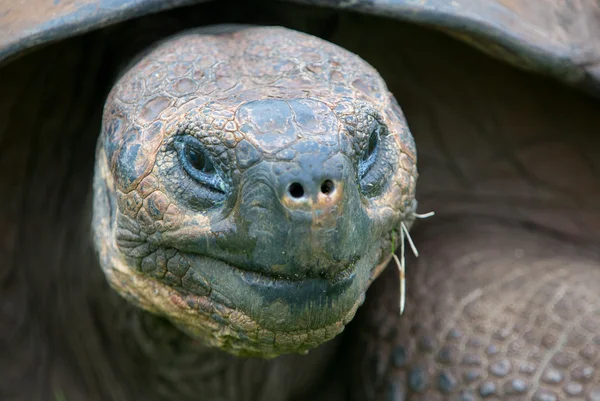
x=301, y=220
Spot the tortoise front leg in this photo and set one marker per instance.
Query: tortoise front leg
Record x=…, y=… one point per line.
x=494, y=311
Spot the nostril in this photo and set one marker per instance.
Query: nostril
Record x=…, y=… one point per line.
x=327, y=187
x=296, y=190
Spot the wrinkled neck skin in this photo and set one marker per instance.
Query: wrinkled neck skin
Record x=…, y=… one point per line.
x=508, y=160
x=181, y=367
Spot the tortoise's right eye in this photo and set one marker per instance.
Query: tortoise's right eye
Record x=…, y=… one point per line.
x=198, y=164
x=199, y=160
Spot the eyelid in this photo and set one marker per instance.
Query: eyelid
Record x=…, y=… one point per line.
x=366, y=164
x=212, y=180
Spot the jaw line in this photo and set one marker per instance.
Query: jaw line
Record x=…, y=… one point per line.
x=194, y=314
x=256, y=276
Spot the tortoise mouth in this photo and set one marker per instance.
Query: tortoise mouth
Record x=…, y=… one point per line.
x=253, y=275
x=345, y=276
x=252, y=314
x=278, y=303
x=268, y=286
x=247, y=312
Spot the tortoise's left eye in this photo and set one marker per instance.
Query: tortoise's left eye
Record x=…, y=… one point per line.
x=367, y=159
x=374, y=163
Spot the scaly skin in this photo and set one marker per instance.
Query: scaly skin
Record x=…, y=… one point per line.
x=508, y=161
x=530, y=333
x=248, y=267
x=503, y=302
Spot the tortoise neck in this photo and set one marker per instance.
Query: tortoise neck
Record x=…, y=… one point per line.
x=172, y=365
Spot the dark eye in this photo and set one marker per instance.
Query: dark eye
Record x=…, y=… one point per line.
x=369, y=154
x=199, y=160
x=198, y=164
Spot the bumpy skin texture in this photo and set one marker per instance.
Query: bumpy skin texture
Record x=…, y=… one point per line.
x=509, y=161
x=532, y=332
x=235, y=257
x=504, y=299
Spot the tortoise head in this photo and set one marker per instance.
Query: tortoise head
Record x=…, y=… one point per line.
x=248, y=182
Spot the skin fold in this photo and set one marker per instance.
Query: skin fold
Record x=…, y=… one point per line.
x=502, y=302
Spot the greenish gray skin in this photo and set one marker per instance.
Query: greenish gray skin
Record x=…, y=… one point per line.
x=503, y=302
x=245, y=191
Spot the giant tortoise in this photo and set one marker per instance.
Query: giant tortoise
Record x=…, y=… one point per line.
x=196, y=197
